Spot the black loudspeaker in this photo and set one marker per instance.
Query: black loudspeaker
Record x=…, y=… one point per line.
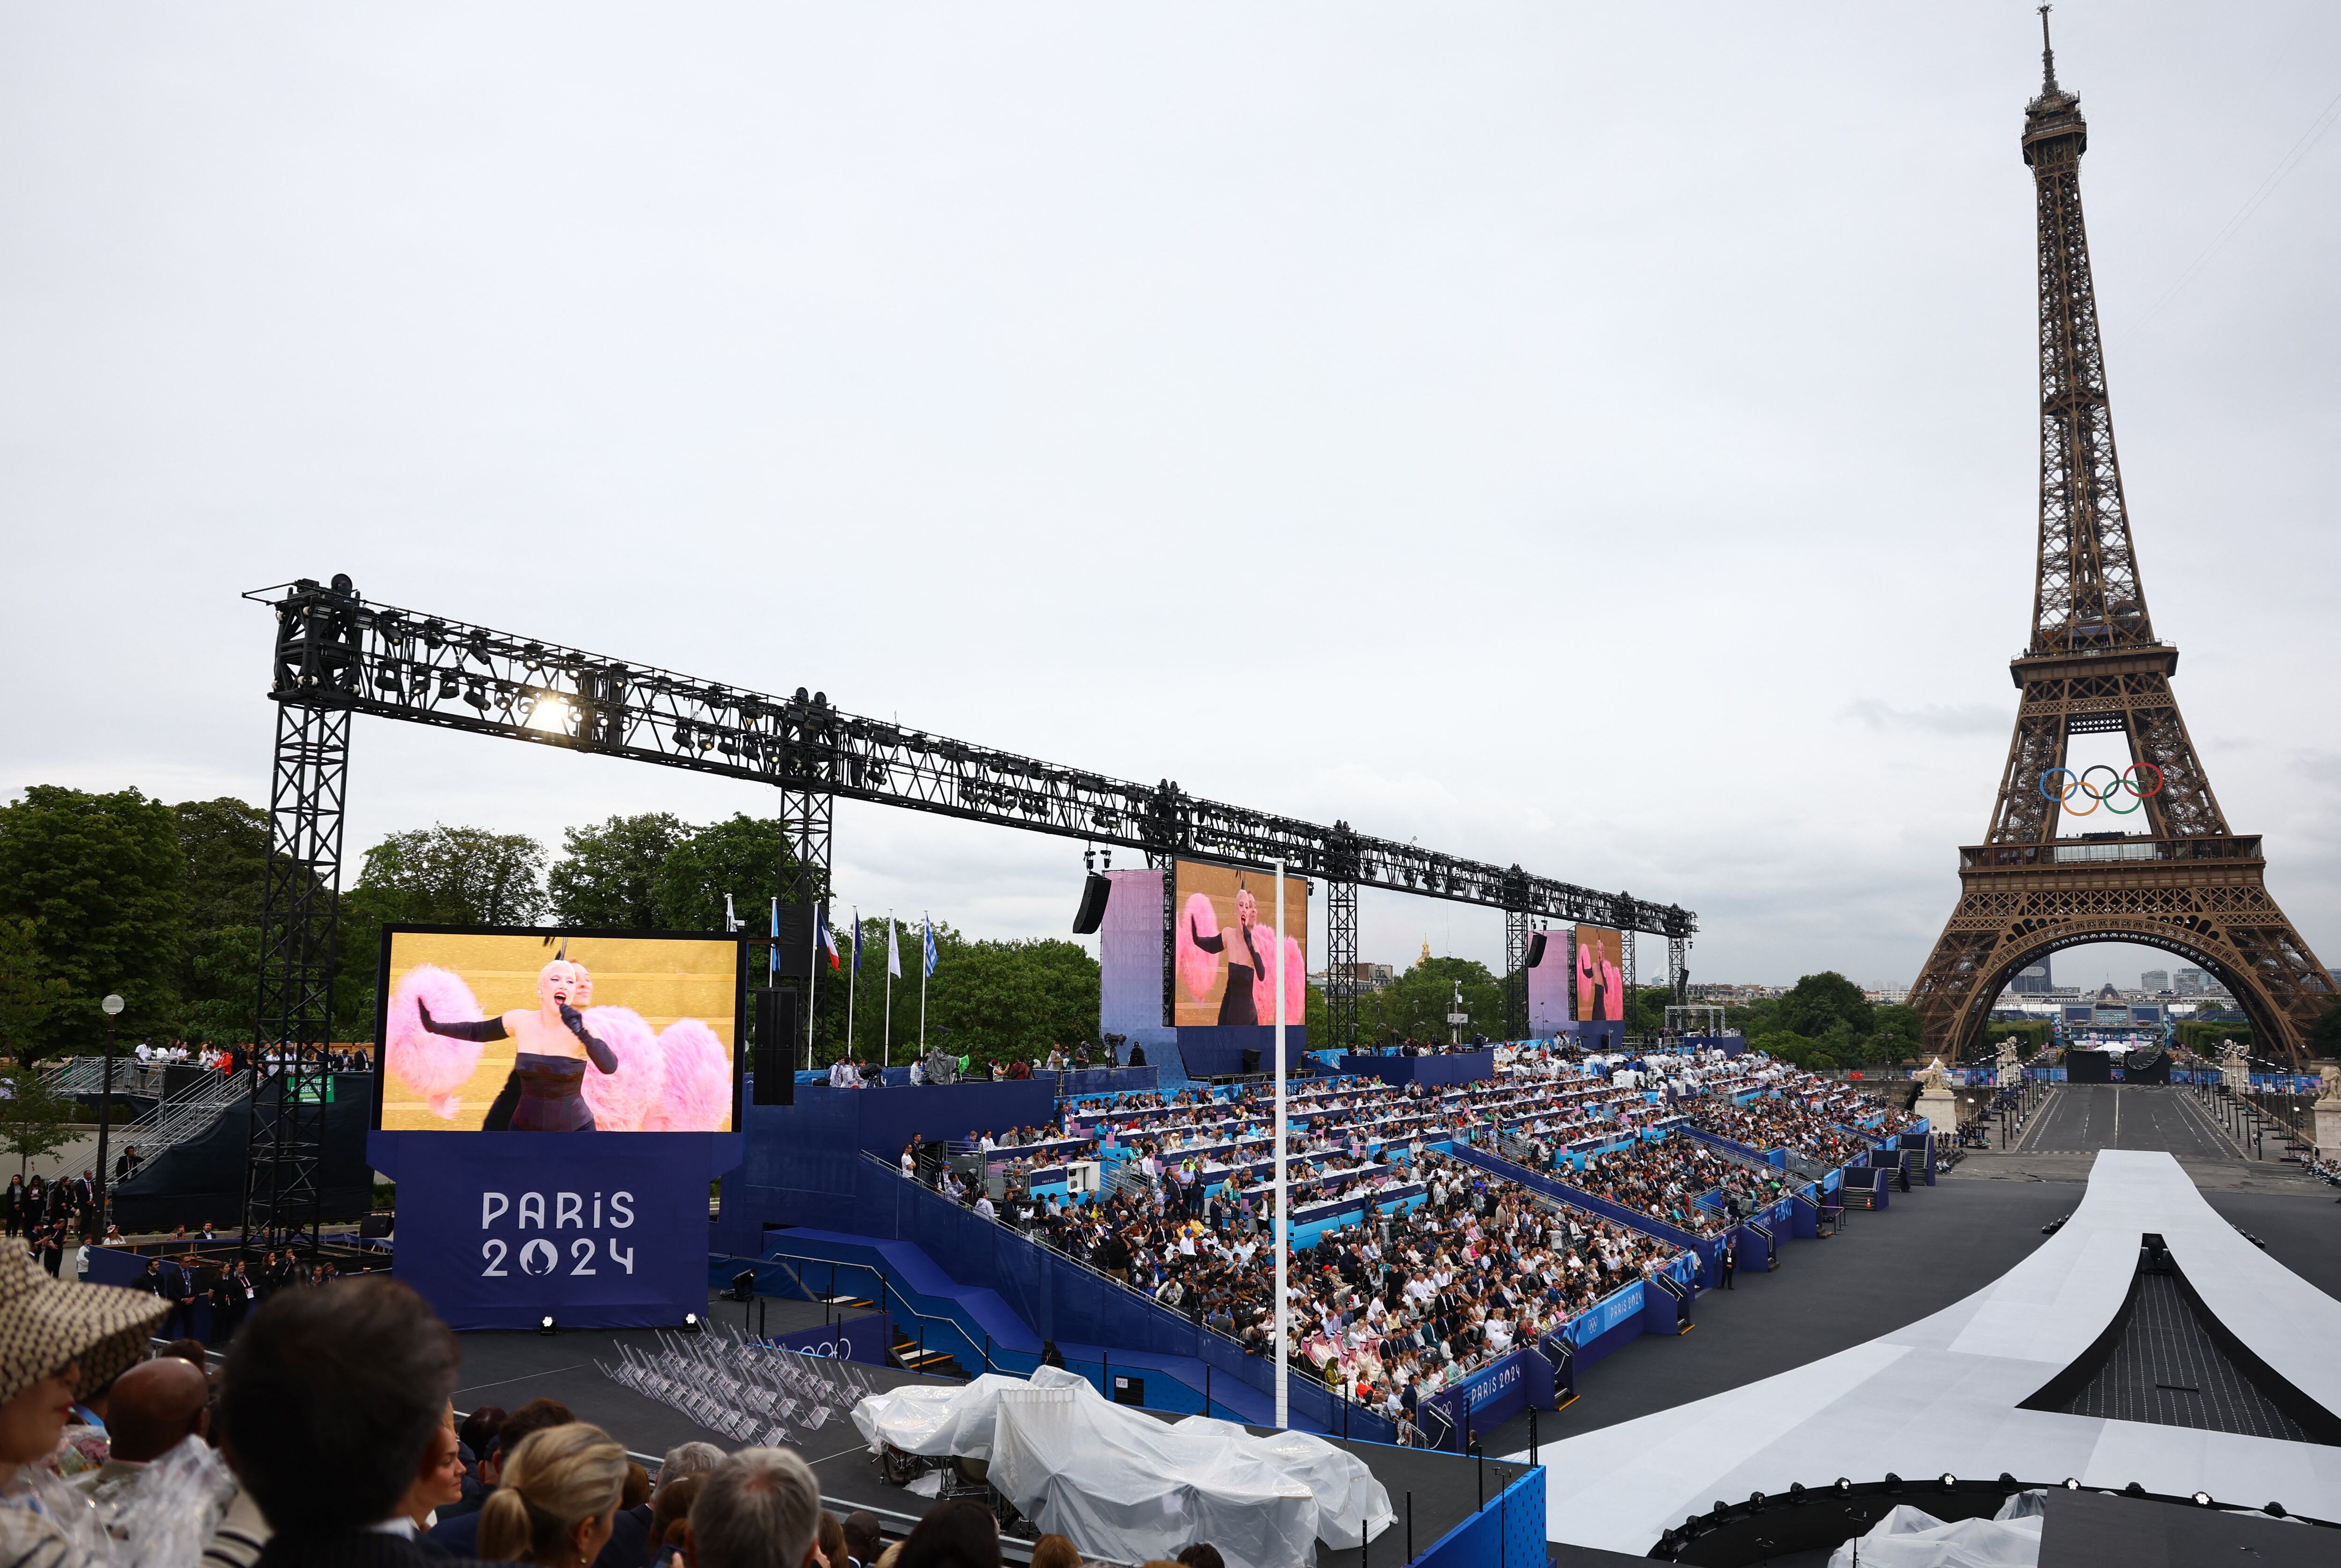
x=774, y=1059
x=1536, y=949
x=1252, y=1061
x=1091, y=914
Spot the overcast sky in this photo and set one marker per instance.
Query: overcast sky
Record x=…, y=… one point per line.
x=1598, y=437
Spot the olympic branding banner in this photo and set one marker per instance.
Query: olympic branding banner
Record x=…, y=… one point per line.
x=595, y=1230
x=1498, y=1391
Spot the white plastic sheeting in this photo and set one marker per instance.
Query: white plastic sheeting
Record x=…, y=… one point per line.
x=1913, y=1538
x=1121, y=1483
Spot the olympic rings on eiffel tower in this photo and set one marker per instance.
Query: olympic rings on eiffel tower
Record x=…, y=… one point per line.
x=2078, y=787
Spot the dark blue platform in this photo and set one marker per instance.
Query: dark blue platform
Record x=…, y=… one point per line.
x=1454, y=1067
x=1217, y=1050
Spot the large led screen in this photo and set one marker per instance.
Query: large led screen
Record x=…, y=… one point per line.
x=1552, y=986
x=1600, y=974
x=1225, y=943
x=545, y=1031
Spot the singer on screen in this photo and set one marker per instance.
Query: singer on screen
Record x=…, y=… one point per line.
x=554, y=1048
x=1245, y=965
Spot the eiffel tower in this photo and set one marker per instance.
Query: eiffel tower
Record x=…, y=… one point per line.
x=2188, y=884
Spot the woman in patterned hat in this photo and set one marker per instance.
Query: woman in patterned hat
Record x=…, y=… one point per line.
x=60, y=1343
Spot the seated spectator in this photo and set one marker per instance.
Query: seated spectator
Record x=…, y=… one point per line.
x=63, y=1341
x=830, y=1537
x=460, y=1533
x=330, y=1408
x=1201, y=1554
x=862, y=1538
x=440, y=1485
x=670, y=1512
x=152, y=1409
x=761, y=1508
x=1055, y=1551
x=557, y=1504
x=958, y=1534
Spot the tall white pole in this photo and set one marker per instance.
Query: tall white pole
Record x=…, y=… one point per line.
x=852, y=979
x=1283, y=1394
x=887, y=1057
x=926, y=934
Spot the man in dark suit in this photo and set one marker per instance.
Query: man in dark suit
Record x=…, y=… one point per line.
x=1730, y=1259
x=330, y=1402
x=179, y=1290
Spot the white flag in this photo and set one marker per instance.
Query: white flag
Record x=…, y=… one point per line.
x=893, y=953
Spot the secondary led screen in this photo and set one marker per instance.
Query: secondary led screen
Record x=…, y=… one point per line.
x=1552, y=986
x=1224, y=939
x=535, y=1031
x=1600, y=974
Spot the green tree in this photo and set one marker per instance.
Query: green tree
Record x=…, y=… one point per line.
x=219, y=989
x=104, y=879
x=742, y=855
x=1784, y=1045
x=437, y=876
x=27, y=994
x=35, y=1119
x=1818, y=1003
x=1896, y=1033
x=2324, y=1034
x=225, y=843
x=607, y=874
x=1415, y=1005
x=1646, y=1008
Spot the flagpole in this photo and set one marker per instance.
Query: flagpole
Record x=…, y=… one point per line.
x=926, y=943
x=812, y=983
x=888, y=1049
x=853, y=979
x=1283, y=1394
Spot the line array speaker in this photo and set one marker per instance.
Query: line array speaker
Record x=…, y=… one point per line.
x=774, y=1058
x=1091, y=914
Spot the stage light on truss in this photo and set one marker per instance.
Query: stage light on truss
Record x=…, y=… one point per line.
x=552, y=716
x=545, y=1326
x=448, y=685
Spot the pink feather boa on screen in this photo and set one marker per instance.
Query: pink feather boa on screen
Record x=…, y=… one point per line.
x=620, y=1100
x=434, y=1065
x=697, y=1097
x=1296, y=981
x=1197, y=968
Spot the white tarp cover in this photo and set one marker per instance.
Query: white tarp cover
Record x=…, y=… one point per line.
x=1913, y=1538
x=1123, y=1485
x=936, y=1421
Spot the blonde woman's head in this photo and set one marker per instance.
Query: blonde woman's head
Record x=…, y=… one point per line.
x=559, y=1493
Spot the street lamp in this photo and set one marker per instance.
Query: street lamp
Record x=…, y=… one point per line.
x=112, y=1006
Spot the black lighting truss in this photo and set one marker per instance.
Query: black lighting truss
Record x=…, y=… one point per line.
x=338, y=655
x=400, y=664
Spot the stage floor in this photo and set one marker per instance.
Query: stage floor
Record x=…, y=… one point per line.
x=1944, y=1393
x=508, y=1369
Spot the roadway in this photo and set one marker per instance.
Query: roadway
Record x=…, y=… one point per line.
x=2082, y=1118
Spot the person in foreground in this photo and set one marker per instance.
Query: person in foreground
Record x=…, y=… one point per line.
x=59, y=1343
x=760, y=1508
x=330, y=1409
x=558, y=1503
